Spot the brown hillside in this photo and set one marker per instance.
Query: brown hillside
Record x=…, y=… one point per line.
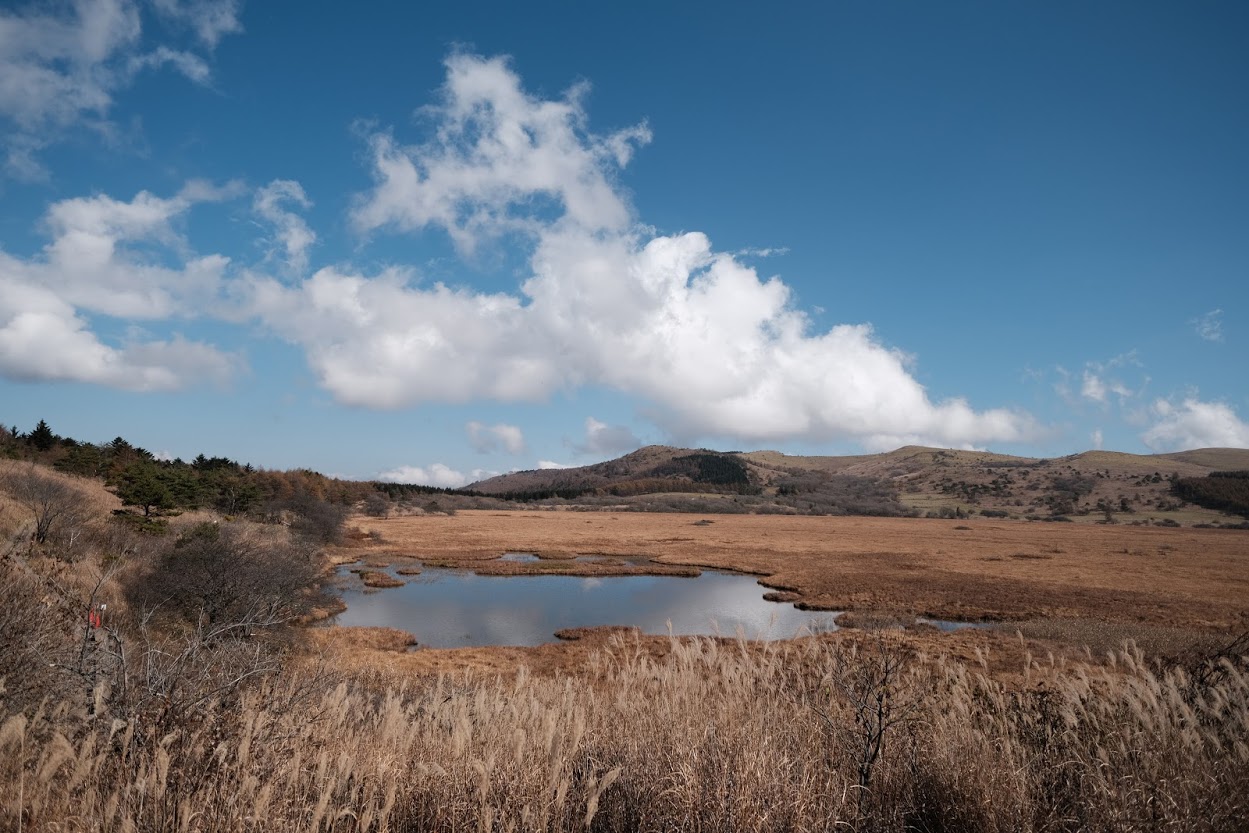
x=1105, y=486
x=1222, y=459
x=640, y=464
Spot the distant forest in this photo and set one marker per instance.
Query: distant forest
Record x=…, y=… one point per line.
x=1226, y=491
x=152, y=487
x=702, y=481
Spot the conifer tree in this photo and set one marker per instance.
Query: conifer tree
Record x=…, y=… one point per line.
x=42, y=438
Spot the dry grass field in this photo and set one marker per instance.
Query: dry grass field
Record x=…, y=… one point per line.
x=966, y=569
x=345, y=730
x=1051, y=588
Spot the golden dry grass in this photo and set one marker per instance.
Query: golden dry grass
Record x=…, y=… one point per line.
x=967, y=569
x=715, y=736
x=994, y=731
x=379, y=579
x=96, y=502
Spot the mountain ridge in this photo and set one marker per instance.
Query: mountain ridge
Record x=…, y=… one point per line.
x=1192, y=462
x=908, y=480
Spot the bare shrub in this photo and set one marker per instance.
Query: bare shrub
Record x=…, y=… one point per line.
x=230, y=577
x=377, y=505
x=33, y=639
x=316, y=520
x=53, y=503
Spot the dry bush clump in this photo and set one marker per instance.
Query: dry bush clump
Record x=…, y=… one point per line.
x=50, y=509
x=379, y=579
x=717, y=735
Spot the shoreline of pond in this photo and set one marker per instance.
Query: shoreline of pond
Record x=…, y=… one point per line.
x=718, y=602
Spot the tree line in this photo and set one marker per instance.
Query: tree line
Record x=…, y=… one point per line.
x=151, y=486
x=1226, y=491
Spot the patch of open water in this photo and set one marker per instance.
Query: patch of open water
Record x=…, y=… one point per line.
x=446, y=608
x=949, y=626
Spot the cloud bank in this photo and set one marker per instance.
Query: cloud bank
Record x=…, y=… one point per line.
x=487, y=439
x=438, y=475
x=717, y=350
x=1195, y=424
x=102, y=260
x=711, y=347
x=601, y=438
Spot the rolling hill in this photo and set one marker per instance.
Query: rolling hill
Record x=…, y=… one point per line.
x=1100, y=485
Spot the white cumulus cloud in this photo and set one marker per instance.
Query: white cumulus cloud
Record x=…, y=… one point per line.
x=1195, y=424
x=43, y=339
x=551, y=464
x=487, y=439
x=108, y=257
x=1093, y=388
x=601, y=438
x=437, y=475
x=715, y=348
x=496, y=148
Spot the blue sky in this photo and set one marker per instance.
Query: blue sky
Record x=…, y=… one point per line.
x=433, y=244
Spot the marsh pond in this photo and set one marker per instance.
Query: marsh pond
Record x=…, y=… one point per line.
x=454, y=608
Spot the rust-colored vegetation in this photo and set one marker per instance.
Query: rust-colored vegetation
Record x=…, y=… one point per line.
x=997, y=570
x=379, y=579
x=715, y=736
x=1115, y=697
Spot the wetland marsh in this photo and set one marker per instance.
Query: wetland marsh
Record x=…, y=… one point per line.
x=456, y=608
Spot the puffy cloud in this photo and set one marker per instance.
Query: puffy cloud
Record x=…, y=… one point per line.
x=1093, y=388
x=717, y=349
x=487, y=439
x=1210, y=325
x=43, y=339
x=497, y=150
x=1195, y=424
x=109, y=256
x=101, y=260
x=379, y=342
x=438, y=475
x=62, y=63
x=551, y=464
x=601, y=438
x=1096, y=438
x=290, y=232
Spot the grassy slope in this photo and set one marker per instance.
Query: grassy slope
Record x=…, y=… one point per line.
x=932, y=479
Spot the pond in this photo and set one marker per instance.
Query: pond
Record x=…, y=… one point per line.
x=446, y=608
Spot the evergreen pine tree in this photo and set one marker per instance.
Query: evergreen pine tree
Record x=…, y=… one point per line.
x=42, y=438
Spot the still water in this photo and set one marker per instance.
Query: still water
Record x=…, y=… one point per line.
x=457, y=608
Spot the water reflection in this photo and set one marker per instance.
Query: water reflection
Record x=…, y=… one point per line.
x=454, y=608
x=950, y=626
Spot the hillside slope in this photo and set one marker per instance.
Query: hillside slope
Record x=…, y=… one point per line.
x=1103, y=485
